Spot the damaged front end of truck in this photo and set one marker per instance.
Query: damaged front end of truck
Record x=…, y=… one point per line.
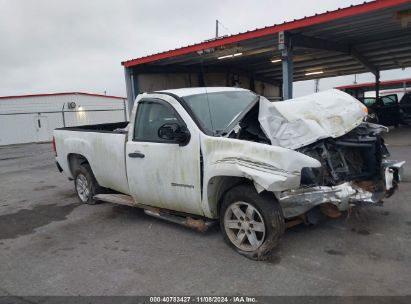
x=354, y=171
x=328, y=127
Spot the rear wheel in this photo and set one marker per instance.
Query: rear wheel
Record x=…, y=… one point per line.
x=251, y=223
x=85, y=184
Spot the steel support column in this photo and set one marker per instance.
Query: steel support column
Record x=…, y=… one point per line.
x=287, y=64
x=377, y=85
x=125, y=110
x=131, y=88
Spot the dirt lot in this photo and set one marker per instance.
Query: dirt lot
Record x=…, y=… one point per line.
x=52, y=245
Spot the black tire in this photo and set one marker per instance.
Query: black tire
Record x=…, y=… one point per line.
x=92, y=186
x=271, y=216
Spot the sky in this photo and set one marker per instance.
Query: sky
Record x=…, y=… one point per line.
x=60, y=46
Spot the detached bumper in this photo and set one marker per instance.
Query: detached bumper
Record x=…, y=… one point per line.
x=299, y=201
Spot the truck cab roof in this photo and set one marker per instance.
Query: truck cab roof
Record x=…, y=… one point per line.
x=200, y=90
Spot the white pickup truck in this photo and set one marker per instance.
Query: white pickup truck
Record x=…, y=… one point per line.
x=198, y=155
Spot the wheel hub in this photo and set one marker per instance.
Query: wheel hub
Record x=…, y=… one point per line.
x=82, y=187
x=244, y=226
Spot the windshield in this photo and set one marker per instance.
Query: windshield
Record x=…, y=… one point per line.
x=217, y=110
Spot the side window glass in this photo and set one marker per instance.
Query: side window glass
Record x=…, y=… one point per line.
x=389, y=100
x=406, y=99
x=150, y=117
x=369, y=101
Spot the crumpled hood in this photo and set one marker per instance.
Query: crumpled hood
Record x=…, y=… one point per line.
x=301, y=121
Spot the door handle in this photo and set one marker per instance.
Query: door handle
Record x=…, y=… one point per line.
x=136, y=154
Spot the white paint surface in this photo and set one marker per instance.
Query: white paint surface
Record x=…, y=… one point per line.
x=105, y=153
x=169, y=175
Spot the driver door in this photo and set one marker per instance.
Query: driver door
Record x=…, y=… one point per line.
x=161, y=172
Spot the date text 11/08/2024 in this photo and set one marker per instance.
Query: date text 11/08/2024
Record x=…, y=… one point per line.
x=203, y=299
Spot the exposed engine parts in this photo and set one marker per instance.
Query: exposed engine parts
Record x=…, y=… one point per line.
x=355, y=156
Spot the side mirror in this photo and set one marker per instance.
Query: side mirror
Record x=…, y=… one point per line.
x=174, y=132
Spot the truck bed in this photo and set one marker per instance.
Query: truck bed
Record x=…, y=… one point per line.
x=116, y=127
x=103, y=145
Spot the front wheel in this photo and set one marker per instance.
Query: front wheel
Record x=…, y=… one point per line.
x=251, y=223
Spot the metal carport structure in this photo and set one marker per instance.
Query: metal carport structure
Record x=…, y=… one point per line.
x=369, y=37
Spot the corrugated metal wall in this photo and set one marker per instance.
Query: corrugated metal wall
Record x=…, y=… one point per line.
x=165, y=81
x=33, y=119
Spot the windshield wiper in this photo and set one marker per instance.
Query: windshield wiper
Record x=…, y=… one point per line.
x=219, y=132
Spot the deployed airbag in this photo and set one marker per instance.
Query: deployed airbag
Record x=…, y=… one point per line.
x=301, y=121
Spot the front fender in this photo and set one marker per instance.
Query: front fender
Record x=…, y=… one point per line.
x=269, y=167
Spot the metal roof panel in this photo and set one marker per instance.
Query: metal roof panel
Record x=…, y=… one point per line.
x=312, y=23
